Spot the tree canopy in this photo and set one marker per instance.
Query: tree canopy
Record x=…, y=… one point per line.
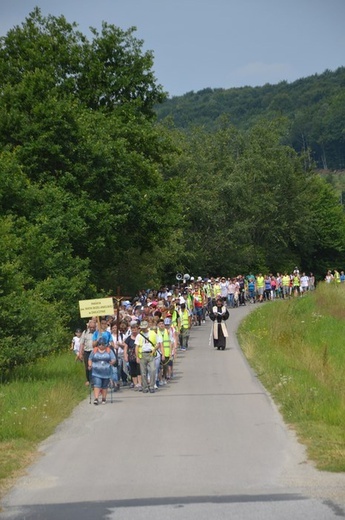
x=81, y=165
x=314, y=107
x=96, y=194
x=252, y=205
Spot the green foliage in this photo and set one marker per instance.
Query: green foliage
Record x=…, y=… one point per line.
x=30, y=408
x=314, y=107
x=252, y=206
x=96, y=195
x=81, y=172
x=31, y=324
x=302, y=366
x=30, y=327
x=327, y=216
x=108, y=71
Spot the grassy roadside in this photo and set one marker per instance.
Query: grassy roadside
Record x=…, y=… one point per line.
x=32, y=403
x=297, y=348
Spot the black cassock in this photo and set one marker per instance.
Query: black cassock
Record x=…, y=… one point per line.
x=218, y=315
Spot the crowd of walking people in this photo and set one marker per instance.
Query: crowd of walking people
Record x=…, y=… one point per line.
x=137, y=346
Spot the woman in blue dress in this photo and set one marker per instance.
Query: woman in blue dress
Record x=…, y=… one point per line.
x=101, y=360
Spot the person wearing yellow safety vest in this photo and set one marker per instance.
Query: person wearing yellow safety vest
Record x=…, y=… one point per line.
x=260, y=287
x=186, y=323
x=212, y=289
x=286, y=285
x=296, y=282
x=175, y=315
x=169, y=348
x=189, y=300
x=208, y=290
x=147, y=343
x=215, y=289
x=159, y=369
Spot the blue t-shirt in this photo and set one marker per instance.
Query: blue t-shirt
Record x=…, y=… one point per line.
x=105, y=335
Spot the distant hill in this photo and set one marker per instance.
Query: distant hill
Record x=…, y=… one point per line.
x=314, y=106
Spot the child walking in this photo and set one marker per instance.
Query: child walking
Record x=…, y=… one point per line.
x=75, y=345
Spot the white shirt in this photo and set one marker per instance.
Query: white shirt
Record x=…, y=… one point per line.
x=304, y=281
x=142, y=340
x=224, y=289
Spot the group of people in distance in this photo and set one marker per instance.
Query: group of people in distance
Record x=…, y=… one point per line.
x=262, y=287
x=136, y=347
x=136, y=350
x=335, y=277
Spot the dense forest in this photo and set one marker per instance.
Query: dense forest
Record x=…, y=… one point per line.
x=314, y=107
x=96, y=194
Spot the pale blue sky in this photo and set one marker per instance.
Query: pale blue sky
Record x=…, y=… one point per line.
x=215, y=43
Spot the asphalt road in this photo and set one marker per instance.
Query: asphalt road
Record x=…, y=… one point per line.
x=211, y=444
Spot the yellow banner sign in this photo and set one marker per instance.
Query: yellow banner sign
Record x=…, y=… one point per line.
x=100, y=307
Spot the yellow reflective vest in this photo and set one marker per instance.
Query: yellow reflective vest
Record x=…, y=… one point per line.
x=152, y=337
x=166, y=342
x=185, y=319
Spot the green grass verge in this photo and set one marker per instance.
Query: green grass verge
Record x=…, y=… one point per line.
x=297, y=348
x=33, y=401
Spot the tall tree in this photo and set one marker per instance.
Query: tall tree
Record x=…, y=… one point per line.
x=252, y=205
x=78, y=141
x=79, y=115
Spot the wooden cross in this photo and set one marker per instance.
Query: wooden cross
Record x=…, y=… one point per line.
x=118, y=299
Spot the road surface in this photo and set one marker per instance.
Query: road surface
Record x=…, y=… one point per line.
x=210, y=444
